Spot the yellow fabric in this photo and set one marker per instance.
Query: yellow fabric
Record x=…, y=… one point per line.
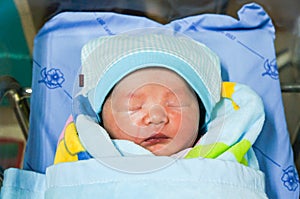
x=72, y=140
x=69, y=146
x=227, y=92
x=63, y=155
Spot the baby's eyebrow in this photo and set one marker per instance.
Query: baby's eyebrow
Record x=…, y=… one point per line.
x=175, y=91
x=133, y=94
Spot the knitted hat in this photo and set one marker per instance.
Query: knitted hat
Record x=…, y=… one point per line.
x=106, y=60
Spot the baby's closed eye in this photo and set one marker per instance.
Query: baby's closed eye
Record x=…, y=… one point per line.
x=135, y=107
x=173, y=103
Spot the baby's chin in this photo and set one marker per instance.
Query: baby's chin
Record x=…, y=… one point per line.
x=167, y=148
x=161, y=150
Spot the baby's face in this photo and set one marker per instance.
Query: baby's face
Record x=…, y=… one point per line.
x=155, y=108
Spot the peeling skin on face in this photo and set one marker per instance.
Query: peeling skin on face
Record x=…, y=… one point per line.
x=154, y=108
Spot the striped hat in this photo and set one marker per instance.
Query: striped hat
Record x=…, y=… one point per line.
x=106, y=60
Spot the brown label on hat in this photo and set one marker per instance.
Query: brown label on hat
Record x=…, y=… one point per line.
x=81, y=80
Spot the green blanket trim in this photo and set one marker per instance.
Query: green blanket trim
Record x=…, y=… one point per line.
x=239, y=150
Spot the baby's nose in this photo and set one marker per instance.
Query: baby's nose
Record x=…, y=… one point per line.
x=157, y=115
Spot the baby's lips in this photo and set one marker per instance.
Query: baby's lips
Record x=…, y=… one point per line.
x=154, y=139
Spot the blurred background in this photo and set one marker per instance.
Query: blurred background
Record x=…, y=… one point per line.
x=22, y=19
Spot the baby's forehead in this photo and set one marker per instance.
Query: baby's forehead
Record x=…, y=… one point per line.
x=154, y=75
x=165, y=78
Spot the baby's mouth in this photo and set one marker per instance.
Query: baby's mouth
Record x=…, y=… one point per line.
x=154, y=139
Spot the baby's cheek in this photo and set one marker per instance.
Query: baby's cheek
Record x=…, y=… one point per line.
x=175, y=118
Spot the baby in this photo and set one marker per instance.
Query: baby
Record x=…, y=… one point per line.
x=161, y=94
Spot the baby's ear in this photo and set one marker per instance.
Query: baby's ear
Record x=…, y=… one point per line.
x=106, y=100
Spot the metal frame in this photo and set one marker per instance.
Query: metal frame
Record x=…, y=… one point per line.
x=18, y=99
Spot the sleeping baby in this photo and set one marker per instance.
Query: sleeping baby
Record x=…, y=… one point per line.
x=159, y=94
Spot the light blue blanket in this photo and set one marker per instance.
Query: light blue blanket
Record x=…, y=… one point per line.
x=192, y=178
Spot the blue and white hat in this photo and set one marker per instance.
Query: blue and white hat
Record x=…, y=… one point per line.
x=106, y=60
